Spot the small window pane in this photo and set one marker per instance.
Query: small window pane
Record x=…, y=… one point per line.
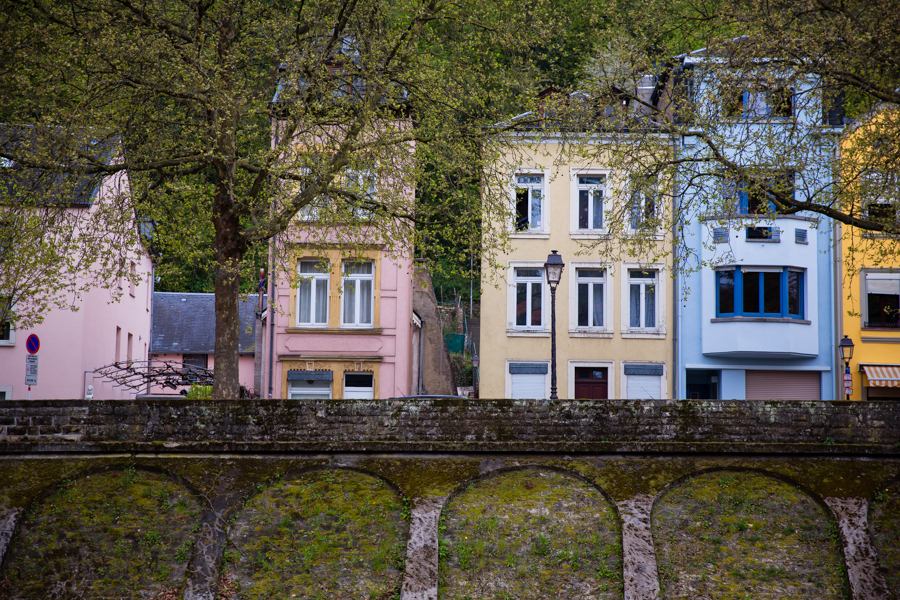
x=598, y=305
x=358, y=268
x=794, y=283
x=321, y=301
x=590, y=273
x=772, y=293
x=650, y=306
x=530, y=179
x=358, y=380
x=349, y=301
x=309, y=266
x=582, y=209
x=598, y=210
x=536, y=208
x=726, y=292
x=521, y=304
x=365, y=301
x=528, y=273
x=536, y=289
x=642, y=274
x=751, y=292
x=583, y=305
x=635, y=306
x=305, y=293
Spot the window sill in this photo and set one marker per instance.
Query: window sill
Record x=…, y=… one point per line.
x=757, y=218
x=644, y=335
x=658, y=236
x=527, y=333
x=524, y=235
x=587, y=333
x=581, y=234
x=337, y=330
x=760, y=320
x=7, y=343
x=755, y=241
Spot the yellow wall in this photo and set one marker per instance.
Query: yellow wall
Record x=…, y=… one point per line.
x=862, y=252
x=498, y=345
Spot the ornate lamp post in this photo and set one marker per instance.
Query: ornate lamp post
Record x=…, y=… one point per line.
x=554, y=268
x=846, y=346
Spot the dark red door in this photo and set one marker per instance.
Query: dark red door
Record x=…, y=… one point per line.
x=591, y=383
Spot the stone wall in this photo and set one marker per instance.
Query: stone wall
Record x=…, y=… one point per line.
x=449, y=424
x=443, y=499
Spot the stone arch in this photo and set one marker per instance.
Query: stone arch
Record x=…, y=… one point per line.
x=327, y=531
x=718, y=532
x=529, y=532
x=884, y=525
x=122, y=532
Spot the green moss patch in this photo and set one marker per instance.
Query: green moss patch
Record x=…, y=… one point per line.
x=737, y=535
x=530, y=534
x=118, y=534
x=327, y=534
x=884, y=519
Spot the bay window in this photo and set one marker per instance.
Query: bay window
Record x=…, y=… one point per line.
x=357, y=297
x=642, y=299
x=529, y=298
x=312, y=293
x=760, y=292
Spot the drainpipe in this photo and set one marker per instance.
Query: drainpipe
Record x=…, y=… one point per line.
x=675, y=282
x=271, y=263
x=421, y=355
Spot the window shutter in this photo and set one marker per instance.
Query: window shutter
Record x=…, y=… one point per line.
x=643, y=387
x=800, y=236
x=775, y=234
x=782, y=385
x=720, y=235
x=528, y=386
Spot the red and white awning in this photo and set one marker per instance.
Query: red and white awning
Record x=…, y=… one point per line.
x=882, y=375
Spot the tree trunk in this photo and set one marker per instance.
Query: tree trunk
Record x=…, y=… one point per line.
x=230, y=247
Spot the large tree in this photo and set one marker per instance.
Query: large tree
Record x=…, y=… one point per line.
x=240, y=114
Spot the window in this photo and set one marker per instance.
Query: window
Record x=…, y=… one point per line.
x=528, y=381
x=529, y=202
x=757, y=199
x=312, y=293
x=773, y=102
x=760, y=292
x=643, y=381
x=529, y=298
x=591, y=190
x=196, y=360
x=7, y=331
x=590, y=297
x=878, y=188
x=309, y=384
x=361, y=183
x=359, y=386
x=642, y=299
x=132, y=274
x=883, y=300
x=357, y=297
x=642, y=204
x=118, y=343
x=129, y=348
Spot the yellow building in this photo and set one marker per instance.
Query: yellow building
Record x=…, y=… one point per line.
x=869, y=307
x=613, y=322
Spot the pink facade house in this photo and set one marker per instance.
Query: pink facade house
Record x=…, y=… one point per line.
x=73, y=344
x=345, y=328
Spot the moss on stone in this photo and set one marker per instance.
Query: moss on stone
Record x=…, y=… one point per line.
x=118, y=534
x=326, y=534
x=530, y=534
x=884, y=519
x=736, y=535
x=423, y=477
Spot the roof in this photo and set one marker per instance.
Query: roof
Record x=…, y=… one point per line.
x=186, y=323
x=55, y=145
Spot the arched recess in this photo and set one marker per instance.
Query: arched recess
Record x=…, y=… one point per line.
x=884, y=525
x=123, y=533
x=530, y=533
x=735, y=534
x=334, y=534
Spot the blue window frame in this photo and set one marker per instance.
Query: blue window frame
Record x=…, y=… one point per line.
x=762, y=292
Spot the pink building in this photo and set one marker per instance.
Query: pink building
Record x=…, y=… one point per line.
x=346, y=329
x=75, y=343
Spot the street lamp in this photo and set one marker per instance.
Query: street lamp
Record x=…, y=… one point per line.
x=846, y=346
x=554, y=268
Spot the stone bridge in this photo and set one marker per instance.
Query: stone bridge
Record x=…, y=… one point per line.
x=449, y=498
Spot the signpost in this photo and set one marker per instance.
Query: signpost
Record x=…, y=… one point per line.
x=848, y=382
x=32, y=344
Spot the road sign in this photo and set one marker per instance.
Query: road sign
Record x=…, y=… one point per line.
x=848, y=378
x=31, y=369
x=33, y=344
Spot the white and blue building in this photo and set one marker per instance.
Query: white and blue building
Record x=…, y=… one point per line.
x=755, y=303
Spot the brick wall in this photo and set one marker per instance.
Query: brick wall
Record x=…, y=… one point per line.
x=451, y=425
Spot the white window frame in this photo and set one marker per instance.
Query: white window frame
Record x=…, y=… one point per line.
x=304, y=394
x=359, y=277
x=609, y=365
x=574, y=189
x=7, y=389
x=544, y=230
x=370, y=191
x=314, y=279
x=574, y=330
x=357, y=389
x=12, y=330
x=628, y=331
x=663, y=379
x=512, y=329
x=643, y=208
x=508, y=376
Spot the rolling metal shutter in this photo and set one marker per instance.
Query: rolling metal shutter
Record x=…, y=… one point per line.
x=783, y=385
x=528, y=380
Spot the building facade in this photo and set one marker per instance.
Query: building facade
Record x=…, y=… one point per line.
x=612, y=316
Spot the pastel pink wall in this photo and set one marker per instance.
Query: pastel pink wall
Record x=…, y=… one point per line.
x=394, y=344
x=245, y=371
x=73, y=342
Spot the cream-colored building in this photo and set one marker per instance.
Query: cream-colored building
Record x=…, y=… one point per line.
x=613, y=310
